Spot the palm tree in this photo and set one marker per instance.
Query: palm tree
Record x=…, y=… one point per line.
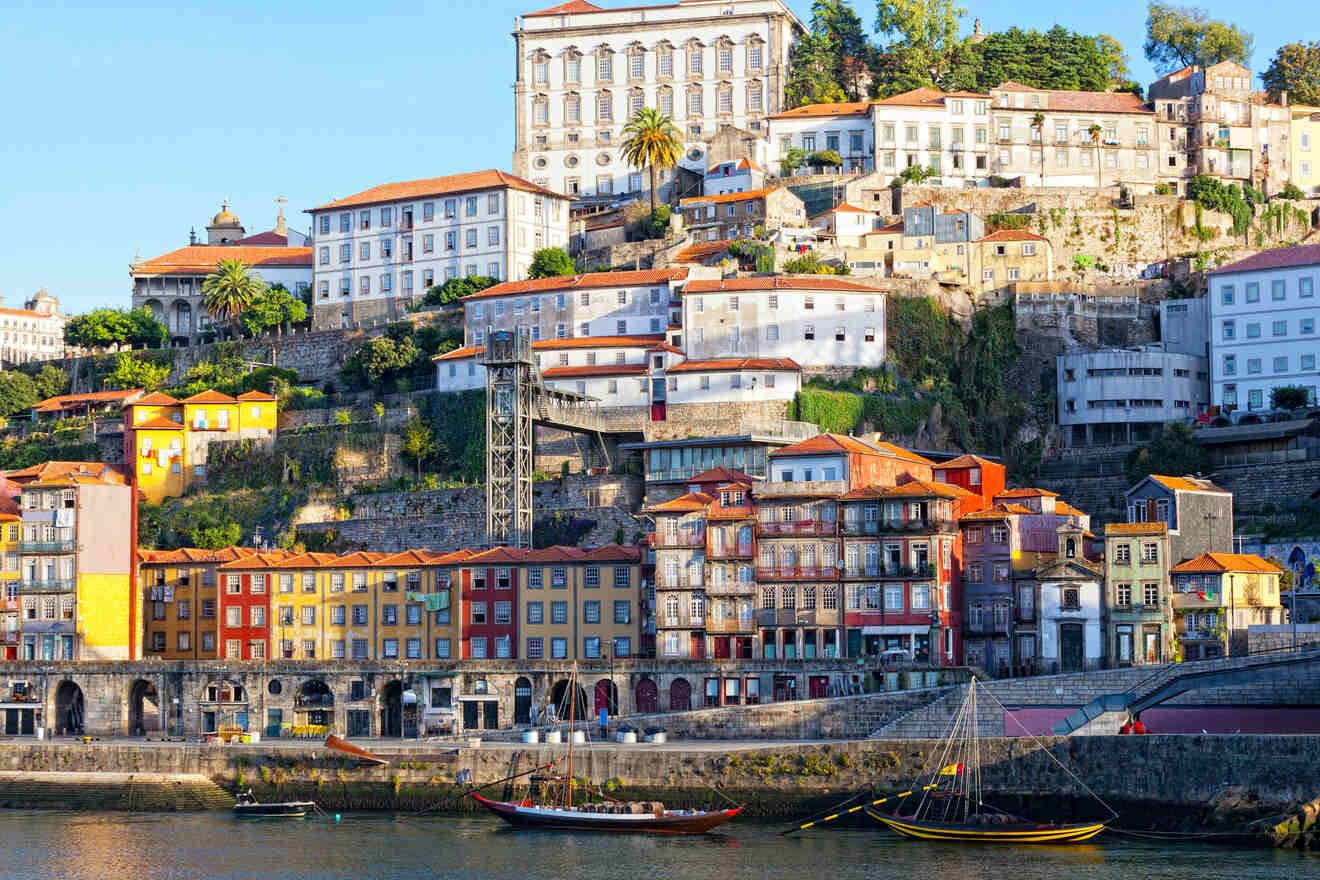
x=652, y=140
x=229, y=290
x=1038, y=123
x=1094, y=132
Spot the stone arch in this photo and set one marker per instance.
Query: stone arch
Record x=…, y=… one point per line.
x=606, y=695
x=646, y=697
x=314, y=703
x=522, y=700
x=680, y=695
x=560, y=701
x=157, y=310
x=391, y=709
x=70, y=709
x=145, y=712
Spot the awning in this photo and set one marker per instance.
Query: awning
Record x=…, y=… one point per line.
x=895, y=630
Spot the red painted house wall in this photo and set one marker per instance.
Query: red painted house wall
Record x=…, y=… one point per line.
x=490, y=595
x=245, y=600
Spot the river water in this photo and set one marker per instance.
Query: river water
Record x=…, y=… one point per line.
x=134, y=846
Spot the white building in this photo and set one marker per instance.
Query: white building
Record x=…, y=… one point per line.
x=379, y=250
x=1071, y=611
x=844, y=128
x=849, y=224
x=1185, y=325
x=34, y=332
x=1125, y=395
x=816, y=322
x=170, y=285
x=947, y=132
x=581, y=71
x=1263, y=315
x=744, y=175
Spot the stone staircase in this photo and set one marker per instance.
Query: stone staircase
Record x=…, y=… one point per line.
x=925, y=722
x=112, y=791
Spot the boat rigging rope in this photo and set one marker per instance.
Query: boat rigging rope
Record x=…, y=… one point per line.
x=1112, y=812
x=716, y=789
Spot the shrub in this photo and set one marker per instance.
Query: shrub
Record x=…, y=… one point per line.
x=1163, y=189
x=1292, y=193
x=1000, y=220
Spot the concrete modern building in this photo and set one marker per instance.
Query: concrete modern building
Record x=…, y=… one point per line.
x=1185, y=327
x=1263, y=314
x=1119, y=396
x=581, y=71
x=170, y=285
x=379, y=250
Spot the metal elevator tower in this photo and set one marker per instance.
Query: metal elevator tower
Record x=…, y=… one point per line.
x=510, y=383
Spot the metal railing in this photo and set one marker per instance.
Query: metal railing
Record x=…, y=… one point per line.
x=682, y=581
x=729, y=551
x=61, y=585
x=731, y=588
x=800, y=528
x=684, y=538
x=47, y=547
x=782, y=572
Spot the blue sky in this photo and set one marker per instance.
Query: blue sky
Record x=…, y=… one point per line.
x=126, y=126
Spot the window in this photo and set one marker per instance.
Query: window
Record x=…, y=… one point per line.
x=1253, y=292
x=558, y=648
x=503, y=612
x=559, y=612
x=591, y=612
x=1278, y=290
x=477, y=647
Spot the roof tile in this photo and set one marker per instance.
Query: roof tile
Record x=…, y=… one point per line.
x=436, y=186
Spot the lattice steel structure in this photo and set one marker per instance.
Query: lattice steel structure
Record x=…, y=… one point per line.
x=510, y=384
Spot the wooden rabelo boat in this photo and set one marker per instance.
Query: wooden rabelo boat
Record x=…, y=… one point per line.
x=949, y=805
x=556, y=810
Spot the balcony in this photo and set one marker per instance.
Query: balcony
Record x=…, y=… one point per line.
x=796, y=529
x=797, y=572
x=1137, y=609
x=48, y=547
x=805, y=489
x=680, y=581
x=731, y=625
x=685, y=538
x=785, y=617
x=987, y=627
x=729, y=551
x=863, y=571
x=731, y=588
x=896, y=572
x=916, y=526
x=55, y=586
x=9, y=637
x=682, y=621
x=1024, y=615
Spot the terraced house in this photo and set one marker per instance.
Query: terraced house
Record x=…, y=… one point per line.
x=1216, y=597
x=1137, y=606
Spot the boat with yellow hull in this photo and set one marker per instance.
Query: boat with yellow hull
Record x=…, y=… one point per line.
x=1012, y=832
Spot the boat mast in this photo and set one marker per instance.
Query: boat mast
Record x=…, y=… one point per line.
x=572, y=712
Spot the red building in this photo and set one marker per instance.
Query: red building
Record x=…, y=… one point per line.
x=243, y=607
x=489, y=593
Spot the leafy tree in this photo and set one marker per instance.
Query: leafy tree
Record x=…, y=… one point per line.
x=651, y=140
x=913, y=174
x=379, y=360
x=1174, y=452
x=229, y=291
x=1055, y=59
x=213, y=533
x=1115, y=58
x=50, y=381
x=145, y=329
x=1292, y=192
x=272, y=309
x=825, y=159
x=456, y=288
x=551, y=262
x=1177, y=36
x=131, y=372
x=100, y=328
x=417, y=442
x=794, y=159
x=1288, y=397
x=1295, y=69
x=813, y=64
x=856, y=56
x=18, y=393
x=924, y=41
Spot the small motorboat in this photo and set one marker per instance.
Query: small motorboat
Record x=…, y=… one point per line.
x=247, y=805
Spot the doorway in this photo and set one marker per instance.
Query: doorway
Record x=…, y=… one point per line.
x=391, y=710
x=1070, y=647
x=522, y=701
x=358, y=723
x=646, y=697
x=68, y=709
x=490, y=714
x=607, y=697
x=680, y=695
x=143, y=708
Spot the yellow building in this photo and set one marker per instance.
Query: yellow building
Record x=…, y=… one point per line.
x=1217, y=597
x=76, y=556
x=167, y=440
x=1305, y=138
x=578, y=604
x=178, y=589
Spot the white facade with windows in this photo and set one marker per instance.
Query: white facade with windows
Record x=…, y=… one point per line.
x=581, y=71
x=1125, y=395
x=379, y=250
x=945, y=132
x=844, y=128
x=1263, y=326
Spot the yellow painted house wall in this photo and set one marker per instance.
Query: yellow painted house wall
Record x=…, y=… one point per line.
x=161, y=482
x=102, y=609
x=258, y=414
x=9, y=538
x=144, y=413
x=210, y=412
x=1305, y=120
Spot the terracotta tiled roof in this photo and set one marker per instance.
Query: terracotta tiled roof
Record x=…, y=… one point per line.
x=256, y=397
x=8, y=507
x=1142, y=528
x=842, y=108
x=202, y=258
x=899, y=452
x=158, y=424
x=892, y=227
x=155, y=398
x=436, y=186
x=566, y=8
x=725, y=198
x=1080, y=101
x=920, y=488
x=270, y=237
x=775, y=282
x=1275, y=258
x=683, y=503
x=209, y=396
x=1186, y=484
x=826, y=443
x=966, y=461
x=1221, y=562
x=920, y=97
x=1066, y=509
x=612, y=553
x=580, y=282
x=1026, y=493
x=593, y=370
x=998, y=511
x=702, y=250
x=49, y=471
x=852, y=209
x=749, y=165
x=1012, y=235
x=193, y=554
x=732, y=364
x=68, y=401
x=647, y=341
x=722, y=474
